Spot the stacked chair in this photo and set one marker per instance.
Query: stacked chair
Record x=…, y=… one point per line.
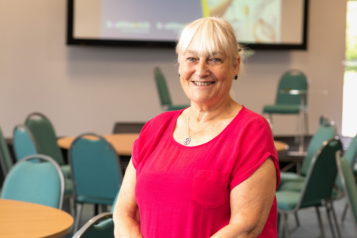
x=164, y=94
x=5, y=158
x=41, y=183
x=317, y=187
x=96, y=172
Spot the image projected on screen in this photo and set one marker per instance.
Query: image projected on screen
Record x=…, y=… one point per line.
x=254, y=21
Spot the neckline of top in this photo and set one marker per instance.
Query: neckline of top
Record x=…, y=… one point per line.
x=172, y=127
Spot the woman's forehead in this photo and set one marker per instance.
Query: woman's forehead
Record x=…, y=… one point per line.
x=203, y=52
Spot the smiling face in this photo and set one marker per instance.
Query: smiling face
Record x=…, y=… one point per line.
x=207, y=78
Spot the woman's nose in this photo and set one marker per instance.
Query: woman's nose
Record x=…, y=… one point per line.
x=202, y=69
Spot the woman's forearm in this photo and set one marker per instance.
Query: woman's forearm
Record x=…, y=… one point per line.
x=126, y=227
x=235, y=230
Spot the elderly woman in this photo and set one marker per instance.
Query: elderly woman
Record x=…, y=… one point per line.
x=209, y=170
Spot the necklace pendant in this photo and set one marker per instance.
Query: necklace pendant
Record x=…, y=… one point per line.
x=187, y=141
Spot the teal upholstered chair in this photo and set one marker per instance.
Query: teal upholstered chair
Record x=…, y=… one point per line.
x=45, y=136
x=5, y=157
x=288, y=103
x=101, y=225
x=41, y=183
x=317, y=188
x=294, y=182
x=349, y=185
x=164, y=94
x=24, y=143
x=96, y=172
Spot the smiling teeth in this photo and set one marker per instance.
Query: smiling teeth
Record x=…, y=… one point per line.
x=203, y=83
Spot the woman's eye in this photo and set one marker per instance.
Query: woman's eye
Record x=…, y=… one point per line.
x=191, y=59
x=215, y=60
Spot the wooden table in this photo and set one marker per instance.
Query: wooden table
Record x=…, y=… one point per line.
x=23, y=219
x=123, y=143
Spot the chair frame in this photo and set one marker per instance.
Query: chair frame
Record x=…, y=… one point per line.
x=53, y=162
x=92, y=222
x=79, y=206
x=339, y=168
x=328, y=203
x=23, y=127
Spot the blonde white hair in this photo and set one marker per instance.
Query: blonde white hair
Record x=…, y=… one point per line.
x=209, y=35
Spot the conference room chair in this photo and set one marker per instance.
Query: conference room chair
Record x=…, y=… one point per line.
x=5, y=157
x=128, y=127
x=25, y=145
x=164, y=94
x=317, y=188
x=96, y=172
x=101, y=225
x=41, y=183
x=45, y=136
x=293, y=181
x=349, y=185
x=289, y=104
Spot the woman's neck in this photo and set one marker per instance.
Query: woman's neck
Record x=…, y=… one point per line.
x=204, y=113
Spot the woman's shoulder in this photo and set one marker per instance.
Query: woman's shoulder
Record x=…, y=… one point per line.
x=249, y=117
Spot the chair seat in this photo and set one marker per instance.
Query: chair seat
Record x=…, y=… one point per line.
x=287, y=200
x=282, y=109
x=95, y=200
x=66, y=169
x=295, y=186
x=176, y=107
x=289, y=176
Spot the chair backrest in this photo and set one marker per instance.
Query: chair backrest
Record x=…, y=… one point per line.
x=349, y=185
x=322, y=175
x=292, y=79
x=351, y=152
x=164, y=94
x=24, y=143
x=128, y=127
x=5, y=157
x=324, y=133
x=96, y=170
x=44, y=135
x=41, y=183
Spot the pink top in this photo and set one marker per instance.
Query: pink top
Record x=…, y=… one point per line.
x=184, y=191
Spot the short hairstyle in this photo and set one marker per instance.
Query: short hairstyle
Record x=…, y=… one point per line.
x=209, y=35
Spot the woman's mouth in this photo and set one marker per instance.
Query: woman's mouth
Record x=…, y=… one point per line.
x=203, y=83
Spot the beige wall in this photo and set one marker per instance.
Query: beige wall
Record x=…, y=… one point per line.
x=84, y=89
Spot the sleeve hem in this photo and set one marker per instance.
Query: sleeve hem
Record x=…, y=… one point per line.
x=236, y=181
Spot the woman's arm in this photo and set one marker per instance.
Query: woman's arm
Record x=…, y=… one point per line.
x=126, y=212
x=251, y=202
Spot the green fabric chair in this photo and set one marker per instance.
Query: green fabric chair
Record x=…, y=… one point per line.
x=25, y=145
x=317, y=188
x=288, y=103
x=101, y=225
x=349, y=185
x=41, y=183
x=96, y=172
x=46, y=139
x=164, y=94
x=5, y=157
x=294, y=182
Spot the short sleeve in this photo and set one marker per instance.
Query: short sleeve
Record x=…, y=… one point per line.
x=256, y=145
x=138, y=145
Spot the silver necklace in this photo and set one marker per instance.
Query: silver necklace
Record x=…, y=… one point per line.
x=188, y=139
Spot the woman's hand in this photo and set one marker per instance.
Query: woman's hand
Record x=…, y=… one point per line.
x=251, y=202
x=126, y=213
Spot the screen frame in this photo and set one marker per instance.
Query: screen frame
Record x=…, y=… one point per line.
x=71, y=41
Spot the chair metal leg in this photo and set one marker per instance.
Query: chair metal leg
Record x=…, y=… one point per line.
x=78, y=217
x=271, y=122
x=298, y=125
x=344, y=213
x=320, y=222
x=286, y=225
x=96, y=212
x=329, y=219
x=335, y=219
x=306, y=122
x=297, y=219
